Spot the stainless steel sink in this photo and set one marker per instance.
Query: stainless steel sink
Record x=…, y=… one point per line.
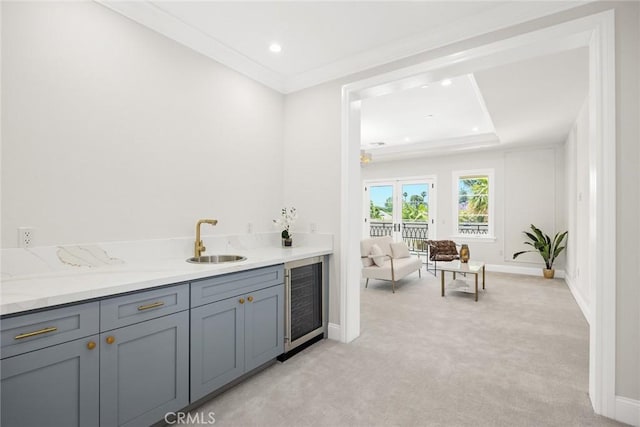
x=216, y=259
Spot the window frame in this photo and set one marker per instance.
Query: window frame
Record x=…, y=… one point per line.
x=456, y=175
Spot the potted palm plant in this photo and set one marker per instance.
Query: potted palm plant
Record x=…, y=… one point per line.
x=548, y=248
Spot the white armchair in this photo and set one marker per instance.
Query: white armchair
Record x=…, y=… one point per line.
x=385, y=260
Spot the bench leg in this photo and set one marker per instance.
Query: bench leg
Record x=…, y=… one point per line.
x=366, y=283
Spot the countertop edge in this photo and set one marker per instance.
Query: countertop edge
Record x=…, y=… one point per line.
x=185, y=275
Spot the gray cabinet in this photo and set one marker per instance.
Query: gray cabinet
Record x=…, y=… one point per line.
x=135, y=308
x=144, y=356
x=144, y=371
x=29, y=332
x=217, y=346
x=129, y=359
x=264, y=326
x=232, y=336
x=56, y=386
x=49, y=366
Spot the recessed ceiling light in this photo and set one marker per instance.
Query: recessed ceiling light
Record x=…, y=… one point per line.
x=475, y=129
x=424, y=86
x=429, y=116
x=378, y=143
x=407, y=139
x=446, y=82
x=275, y=47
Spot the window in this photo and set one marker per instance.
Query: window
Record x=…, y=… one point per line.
x=473, y=201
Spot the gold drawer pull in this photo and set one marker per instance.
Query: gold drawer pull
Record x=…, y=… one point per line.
x=110, y=339
x=91, y=345
x=148, y=306
x=241, y=300
x=34, y=333
x=250, y=299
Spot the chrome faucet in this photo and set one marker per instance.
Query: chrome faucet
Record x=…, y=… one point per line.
x=199, y=247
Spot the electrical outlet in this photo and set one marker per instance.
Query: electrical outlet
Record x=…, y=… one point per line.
x=25, y=237
x=250, y=228
x=313, y=227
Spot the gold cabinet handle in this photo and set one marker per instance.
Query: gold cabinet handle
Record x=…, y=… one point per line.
x=241, y=300
x=34, y=333
x=250, y=299
x=91, y=345
x=152, y=305
x=110, y=339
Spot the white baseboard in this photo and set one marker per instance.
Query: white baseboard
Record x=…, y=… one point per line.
x=334, y=332
x=584, y=307
x=515, y=269
x=628, y=411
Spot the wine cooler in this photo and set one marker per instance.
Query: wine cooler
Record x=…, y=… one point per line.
x=304, y=304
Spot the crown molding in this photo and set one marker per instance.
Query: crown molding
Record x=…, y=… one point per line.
x=432, y=148
x=146, y=13
x=163, y=22
x=505, y=16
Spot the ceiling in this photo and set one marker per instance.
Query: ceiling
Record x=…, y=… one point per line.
x=530, y=102
x=451, y=109
x=526, y=102
x=323, y=40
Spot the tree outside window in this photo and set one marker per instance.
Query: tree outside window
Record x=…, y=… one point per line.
x=473, y=204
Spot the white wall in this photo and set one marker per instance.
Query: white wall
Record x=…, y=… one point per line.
x=628, y=199
x=312, y=173
x=577, y=205
x=111, y=131
x=525, y=188
x=327, y=96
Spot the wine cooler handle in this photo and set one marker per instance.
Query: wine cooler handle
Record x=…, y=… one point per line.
x=287, y=305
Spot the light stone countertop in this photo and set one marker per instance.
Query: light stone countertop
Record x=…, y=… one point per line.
x=49, y=276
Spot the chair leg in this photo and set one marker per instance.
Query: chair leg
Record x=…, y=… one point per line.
x=420, y=272
x=366, y=283
x=428, y=270
x=393, y=286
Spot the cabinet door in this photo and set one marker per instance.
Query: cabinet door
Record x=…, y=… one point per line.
x=144, y=371
x=264, y=329
x=54, y=386
x=217, y=345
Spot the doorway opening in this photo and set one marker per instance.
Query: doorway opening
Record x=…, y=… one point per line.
x=596, y=32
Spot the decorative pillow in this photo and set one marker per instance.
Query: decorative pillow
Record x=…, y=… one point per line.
x=366, y=261
x=400, y=250
x=378, y=255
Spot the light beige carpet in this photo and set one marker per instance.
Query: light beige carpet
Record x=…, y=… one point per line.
x=517, y=357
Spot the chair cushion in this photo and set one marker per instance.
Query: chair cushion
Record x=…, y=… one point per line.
x=378, y=255
x=400, y=250
x=402, y=267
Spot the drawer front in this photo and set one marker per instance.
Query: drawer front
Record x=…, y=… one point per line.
x=34, y=331
x=138, y=307
x=229, y=285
